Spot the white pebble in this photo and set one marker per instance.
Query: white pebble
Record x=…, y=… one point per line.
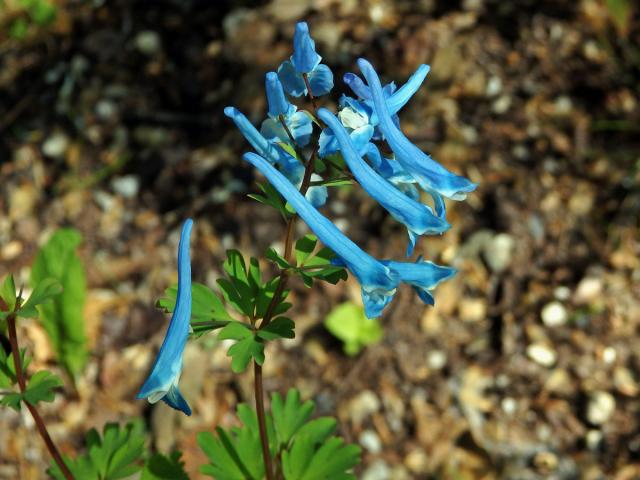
x=370, y=441
x=542, y=354
x=554, y=314
x=436, y=359
x=55, y=145
x=600, y=407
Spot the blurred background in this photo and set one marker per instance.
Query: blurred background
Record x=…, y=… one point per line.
x=528, y=367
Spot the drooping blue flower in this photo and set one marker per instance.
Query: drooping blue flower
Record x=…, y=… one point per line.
x=422, y=276
x=305, y=61
x=354, y=116
x=162, y=382
x=377, y=281
x=292, y=168
x=298, y=122
x=418, y=218
x=396, y=99
x=429, y=174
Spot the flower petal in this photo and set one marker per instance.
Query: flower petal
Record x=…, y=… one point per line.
x=291, y=80
x=427, y=172
x=304, y=58
x=378, y=284
x=422, y=276
x=301, y=127
x=320, y=80
x=278, y=104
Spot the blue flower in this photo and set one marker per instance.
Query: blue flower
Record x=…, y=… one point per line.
x=422, y=276
x=298, y=123
x=429, y=174
x=162, y=382
x=418, y=218
x=396, y=99
x=292, y=168
x=354, y=116
x=305, y=61
x=377, y=281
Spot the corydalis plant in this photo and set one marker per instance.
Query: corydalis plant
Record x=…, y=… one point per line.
x=302, y=153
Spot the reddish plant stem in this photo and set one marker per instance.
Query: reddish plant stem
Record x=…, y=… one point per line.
x=269, y=314
x=309, y=92
x=22, y=384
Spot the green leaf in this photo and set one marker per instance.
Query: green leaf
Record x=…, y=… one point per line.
x=223, y=453
x=289, y=416
x=245, y=348
x=304, y=248
x=162, y=467
x=40, y=387
x=45, y=291
x=206, y=305
x=348, y=323
x=8, y=367
x=276, y=258
x=621, y=13
x=43, y=12
x=331, y=461
x=118, y=454
x=62, y=318
x=272, y=198
x=281, y=327
x=8, y=291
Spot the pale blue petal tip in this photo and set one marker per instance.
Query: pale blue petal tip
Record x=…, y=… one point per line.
x=320, y=80
x=291, y=80
x=175, y=400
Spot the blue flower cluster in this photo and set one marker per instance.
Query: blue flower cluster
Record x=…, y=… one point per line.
x=362, y=124
x=364, y=121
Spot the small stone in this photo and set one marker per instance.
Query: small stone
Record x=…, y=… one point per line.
x=11, y=250
x=600, y=407
x=370, y=441
x=542, y=354
x=498, y=252
x=545, y=462
x=472, y=309
x=379, y=470
x=106, y=110
x=436, y=359
x=126, y=186
x=625, y=383
x=588, y=290
x=509, y=405
x=554, y=314
x=147, y=42
x=55, y=145
x=593, y=439
x=562, y=293
x=494, y=86
x=609, y=355
x=363, y=405
x=417, y=461
x=502, y=104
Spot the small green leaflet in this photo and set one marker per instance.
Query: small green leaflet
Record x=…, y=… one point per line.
x=244, y=289
x=281, y=327
x=235, y=455
x=316, y=265
x=8, y=367
x=8, y=292
x=348, y=322
x=39, y=389
x=247, y=346
x=207, y=310
x=45, y=291
x=118, y=454
x=271, y=197
x=331, y=461
x=62, y=318
x=289, y=415
x=163, y=467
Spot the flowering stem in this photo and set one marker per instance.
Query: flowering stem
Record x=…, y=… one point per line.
x=309, y=92
x=282, y=283
x=22, y=384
